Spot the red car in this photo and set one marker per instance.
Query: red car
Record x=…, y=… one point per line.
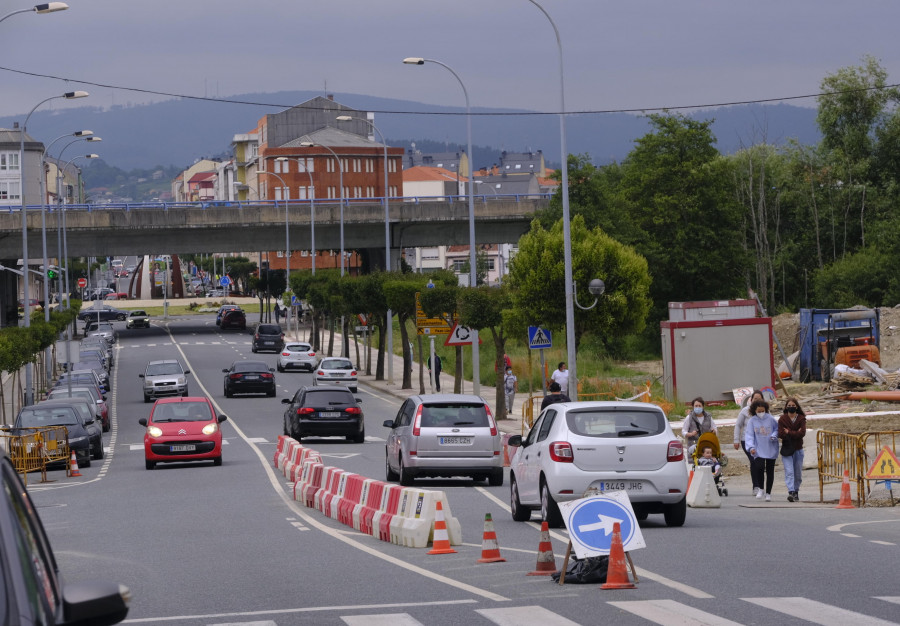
x=233, y=318
x=182, y=429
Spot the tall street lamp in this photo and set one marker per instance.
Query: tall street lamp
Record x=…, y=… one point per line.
x=312, y=209
x=287, y=231
x=47, y=7
x=473, y=281
x=567, y=234
x=312, y=144
x=26, y=294
x=387, y=235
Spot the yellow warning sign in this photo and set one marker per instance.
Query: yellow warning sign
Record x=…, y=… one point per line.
x=885, y=467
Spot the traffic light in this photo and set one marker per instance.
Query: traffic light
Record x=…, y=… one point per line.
x=52, y=273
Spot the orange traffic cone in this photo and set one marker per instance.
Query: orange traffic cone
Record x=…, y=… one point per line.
x=441, y=543
x=690, y=478
x=490, y=550
x=505, y=455
x=73, y=466
x=846, y=502
x=617, y=572
x=546, y=562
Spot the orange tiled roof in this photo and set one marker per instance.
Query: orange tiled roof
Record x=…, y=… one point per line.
x=426, y=172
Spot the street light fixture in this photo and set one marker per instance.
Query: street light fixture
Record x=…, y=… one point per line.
x=473, y=281
x=567, y=234
x=40, y=9
x=596, y=287
x=287, y=231
x=312, y=144
x=312, y=210
x=26, y=294
x=387, y=236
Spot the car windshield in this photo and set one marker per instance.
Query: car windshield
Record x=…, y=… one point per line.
x=138, y=314
x=615, y=423
x=162, y=369
x=82, y=409
x=444, y=415
x=336, y=364
x=36, y=417
x=182, y=412
x=298, y=347
x=250, y=366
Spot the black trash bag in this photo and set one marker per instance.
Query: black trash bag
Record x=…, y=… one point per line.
x=591, y=570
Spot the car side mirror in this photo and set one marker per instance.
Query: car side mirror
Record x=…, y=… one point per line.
x=515, y=441
x=388, y=423
x=285, y=401
x=271, y=369
x=186, y=372
x=225, y=371
x=222, y=418
x=359, y=400
x=142, y=421
x=140, y=375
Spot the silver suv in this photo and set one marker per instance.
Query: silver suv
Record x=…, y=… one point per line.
x=164, y=378
x=444, y=435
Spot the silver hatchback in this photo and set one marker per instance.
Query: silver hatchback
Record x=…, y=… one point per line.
x=336, y=371
x=444, y=435
x=296, y=355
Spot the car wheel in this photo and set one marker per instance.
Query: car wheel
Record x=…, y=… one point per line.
x=217, y=461
x=120, y=318
x=87, y=461
x=147, y=399
x=99, y=454
x=279, y=368
x=149, y=464
x=676, y=513
x=640, y=514
x=519, y=513
x=253, y=349
x=496, y=477
x=549, y=510
x=271, y=392
x=228, y=393
x=284, y=427
x=389, y=474
x=405, y=479
x=105, y=427
x=354, y=390
x=359, y=437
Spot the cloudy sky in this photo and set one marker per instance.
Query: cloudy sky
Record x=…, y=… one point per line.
x=619, y=54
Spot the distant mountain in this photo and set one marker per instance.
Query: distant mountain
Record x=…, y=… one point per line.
x=178, y=132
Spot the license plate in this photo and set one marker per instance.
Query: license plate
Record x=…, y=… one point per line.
x=251, y=377
x=269, y=343
x=455, y=441
x=183, y=448
x=329, y=413
x=621, y=485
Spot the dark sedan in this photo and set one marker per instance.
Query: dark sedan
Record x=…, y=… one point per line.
x=234, y=318
x=249, y=377
x=104, y=313
x=324, y=411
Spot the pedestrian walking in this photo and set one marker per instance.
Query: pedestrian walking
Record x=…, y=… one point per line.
x=555, y=395
x=510, y=386
x=791, y=430
x=561, y=376
x=697, y=422
x=761, y=436
x=739, y=426
x=437, y=371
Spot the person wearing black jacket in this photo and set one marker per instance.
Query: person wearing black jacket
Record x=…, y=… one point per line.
x=791, y=430
x=554, y=396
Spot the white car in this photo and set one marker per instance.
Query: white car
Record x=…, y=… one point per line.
x=336, y=371
x=609, y=446
x=297, y=355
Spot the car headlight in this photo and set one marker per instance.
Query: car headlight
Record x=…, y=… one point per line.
x=181, y=381
x=76, y=439
x=154, y=431
x=209, y=429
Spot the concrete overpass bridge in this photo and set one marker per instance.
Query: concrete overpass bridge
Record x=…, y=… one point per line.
x=207, y=227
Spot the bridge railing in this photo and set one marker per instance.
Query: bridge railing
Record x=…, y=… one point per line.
x=240, y=204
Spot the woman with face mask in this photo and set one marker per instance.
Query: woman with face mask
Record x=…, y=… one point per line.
x=739, y=426
x=791, y=430
x=698, y=422
x=761, y=437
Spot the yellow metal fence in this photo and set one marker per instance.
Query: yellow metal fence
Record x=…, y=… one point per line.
x=33, y=449
x=839, y=451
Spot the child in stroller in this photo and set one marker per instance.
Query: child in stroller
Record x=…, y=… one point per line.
x=707, y=453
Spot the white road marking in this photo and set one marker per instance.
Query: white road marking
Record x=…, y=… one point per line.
x=892, y=599
x=671, y=613
x=507, y=548
x=339, y=455
x=837, y=527
x=851, y=535
x=375, y=439
x=882, y=543
x=516, y=616
x=817, y=612
x=383, y=619
x=257, y=440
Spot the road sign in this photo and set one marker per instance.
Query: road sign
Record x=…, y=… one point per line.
x=460, y=336
x=433, y=330
x=295, y=301
x=430, y=325
x=539, y=338
x=590, y=523
x=224, y=281
x=82, y=282
x=885, y=466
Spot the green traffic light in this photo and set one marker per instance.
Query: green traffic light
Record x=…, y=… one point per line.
x=52, y=273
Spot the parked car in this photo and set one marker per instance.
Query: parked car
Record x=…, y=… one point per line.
x=268, y=337
x=32, y=590
x=82, y=379
x=102, y=313
x=138, y=319
x=612, y=446
x=38, y=416
x=297, y=355
x=96, y=366
x=119, y=295
x=88, y=412
x=92, y=353
x=444, y=435
x=92, y=395
x=164, y=378
x=222, y=309
x=101, y=329
x=100, y=293
x=249, y=377
x=182, y=429
x=324, y=412
x=98, y=341
x=336, y=371
x=234, y=318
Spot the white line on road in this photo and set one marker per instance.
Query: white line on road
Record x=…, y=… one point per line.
x=892, y=599
x=882, y=543
x=817, y=612
x=851, y=535
x=384, y=619
x=837, y=527
x=671, y=613
x=525, y=615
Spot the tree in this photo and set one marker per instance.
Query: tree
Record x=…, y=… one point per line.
x=400, y=295
x=441, y=301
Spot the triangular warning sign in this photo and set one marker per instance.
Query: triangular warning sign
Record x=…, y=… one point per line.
x=885, y=466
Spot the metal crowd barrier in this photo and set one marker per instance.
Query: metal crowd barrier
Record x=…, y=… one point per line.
x=33, y=449
x=838, y=452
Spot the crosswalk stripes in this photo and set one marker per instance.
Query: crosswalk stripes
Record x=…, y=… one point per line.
x=518, y=615
x=386, y=619
x=817, y=612
x=672, y=613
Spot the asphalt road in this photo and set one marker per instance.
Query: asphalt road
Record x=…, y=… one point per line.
x=199, y=544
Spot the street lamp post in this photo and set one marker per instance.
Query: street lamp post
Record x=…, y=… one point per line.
x=473, y=275
x=26, y=293
x=387, y=238
x=40, y=9
x=310, y=144
x=567, y=234
x=287, y=231
x=312, y=210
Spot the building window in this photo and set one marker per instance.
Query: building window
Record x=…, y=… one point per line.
x=304, y=253
x=370, y=192
x=305, y=165
x=357, y=165
x=370, y=165
x=329, y=165
x=282, y=193
x=279, y=254
x=459, y=265
x=430, y=254
x=282, y=167
x=491, y=264
x=392, y=165
x=332, y=193
x=9, y=161
x=9, y=190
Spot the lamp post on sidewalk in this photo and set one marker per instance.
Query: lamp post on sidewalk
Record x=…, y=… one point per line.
x=287, y=231
x=473, y=274
x=312, y=209
x=312, y=144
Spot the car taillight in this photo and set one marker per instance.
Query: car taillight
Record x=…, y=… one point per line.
x=305, y=410
x=266, y=375
x=417, y=423
x=310, y=354
x=256, y=336
x=561, y=452
x=354, y=410
x=675, y=451
x=320, y=373
x=491, y=420
x=285, y=354
x=234, y=376
x=353, y=373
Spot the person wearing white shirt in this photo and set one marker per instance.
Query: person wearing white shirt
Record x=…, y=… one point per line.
x=561, y=376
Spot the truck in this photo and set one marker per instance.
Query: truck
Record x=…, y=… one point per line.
x=830, y=337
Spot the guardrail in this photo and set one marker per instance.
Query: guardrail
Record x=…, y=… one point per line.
x=35, y=448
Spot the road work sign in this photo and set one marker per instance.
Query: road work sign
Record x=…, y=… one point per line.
x=590, y=523
x=885, y=466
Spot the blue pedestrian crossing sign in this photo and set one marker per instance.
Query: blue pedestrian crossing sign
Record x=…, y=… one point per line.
x=590, y=523
x=539, y=338
x=295, y=301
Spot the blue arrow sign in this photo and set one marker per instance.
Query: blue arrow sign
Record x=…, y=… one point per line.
x=590, y=522
x=539, y=338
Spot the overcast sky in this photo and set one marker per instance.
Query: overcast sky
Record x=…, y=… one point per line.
x=619, y=54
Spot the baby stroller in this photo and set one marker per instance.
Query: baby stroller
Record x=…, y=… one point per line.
x=709, y=440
